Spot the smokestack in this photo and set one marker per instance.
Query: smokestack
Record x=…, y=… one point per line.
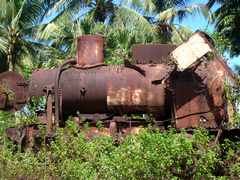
x=90, y=50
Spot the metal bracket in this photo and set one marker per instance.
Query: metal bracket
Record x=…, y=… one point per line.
x=49, y=94
x=22, y=83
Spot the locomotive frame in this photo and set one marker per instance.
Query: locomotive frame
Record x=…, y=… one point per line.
x=181, y=86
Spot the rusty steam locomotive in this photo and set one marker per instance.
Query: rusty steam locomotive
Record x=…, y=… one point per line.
x=180, y=86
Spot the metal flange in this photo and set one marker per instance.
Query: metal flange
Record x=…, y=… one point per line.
x=13, y=91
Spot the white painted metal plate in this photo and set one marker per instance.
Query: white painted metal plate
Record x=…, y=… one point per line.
x=191, y=51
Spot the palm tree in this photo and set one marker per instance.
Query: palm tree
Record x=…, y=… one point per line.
x=167, y=20
x=99, y=10
x=227, y=23
x=164, y=13
x=18, y=22
x=123, y=24
x=126, y=28
x=126, y=13
x=62, y=34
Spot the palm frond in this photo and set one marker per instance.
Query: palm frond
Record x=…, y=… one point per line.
x=210, y=3
x=62, y=6
x=162, y=5
x=8, y=12
x=147, y=6
x=3, y=8
x=3, y=45
x=68, y=4
x=171, y=14
x=15, y=20
x=180, y=34
x=55, y=28
x=132, y=20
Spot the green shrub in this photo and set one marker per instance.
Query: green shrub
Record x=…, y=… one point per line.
x=148, y=155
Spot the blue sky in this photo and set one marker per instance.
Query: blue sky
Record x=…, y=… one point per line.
x=197, y=21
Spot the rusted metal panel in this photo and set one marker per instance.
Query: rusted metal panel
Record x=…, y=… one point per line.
x=201, y=93
x=49, y=95
x=13, y=91
x=215, y=69
x=90, y=50
x=192, y=103
x=28, y=136
x=95, y=90
x=217, y=75
x=39, y=80
x=152, y=53
x=116, y=127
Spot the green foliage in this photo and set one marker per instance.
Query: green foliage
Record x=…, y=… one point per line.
x=227, y=24
x=6, y=119
x=122, y=25
x=10, y=119
x=221, y=43
x=18, y=21
x=233, y=97
x=148, y=155
x=230, y=160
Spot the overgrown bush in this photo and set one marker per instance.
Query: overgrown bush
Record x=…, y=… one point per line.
x=148, y=155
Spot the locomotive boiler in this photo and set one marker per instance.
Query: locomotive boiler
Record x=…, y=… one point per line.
x=180, y=86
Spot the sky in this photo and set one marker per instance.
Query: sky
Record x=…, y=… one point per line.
x=197, y=21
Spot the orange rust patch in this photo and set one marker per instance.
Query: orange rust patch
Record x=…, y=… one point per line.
x=126, y=96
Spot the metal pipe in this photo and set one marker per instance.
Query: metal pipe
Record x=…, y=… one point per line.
x=90, y=50
x=56, y=90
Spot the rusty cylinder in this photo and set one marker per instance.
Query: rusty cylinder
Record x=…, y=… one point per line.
x=90, y=50
x=106, y=89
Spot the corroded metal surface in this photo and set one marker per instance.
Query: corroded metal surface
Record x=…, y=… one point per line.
x=116, y=127
x=199, y=95
x=13, y=91
x=152, y=53
x=90, y=50
x=39, y=80
x=192, y=103
x=28, y=136
x=190, y=98
x=195, y=96
x=218, y=74
x=107, y=89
